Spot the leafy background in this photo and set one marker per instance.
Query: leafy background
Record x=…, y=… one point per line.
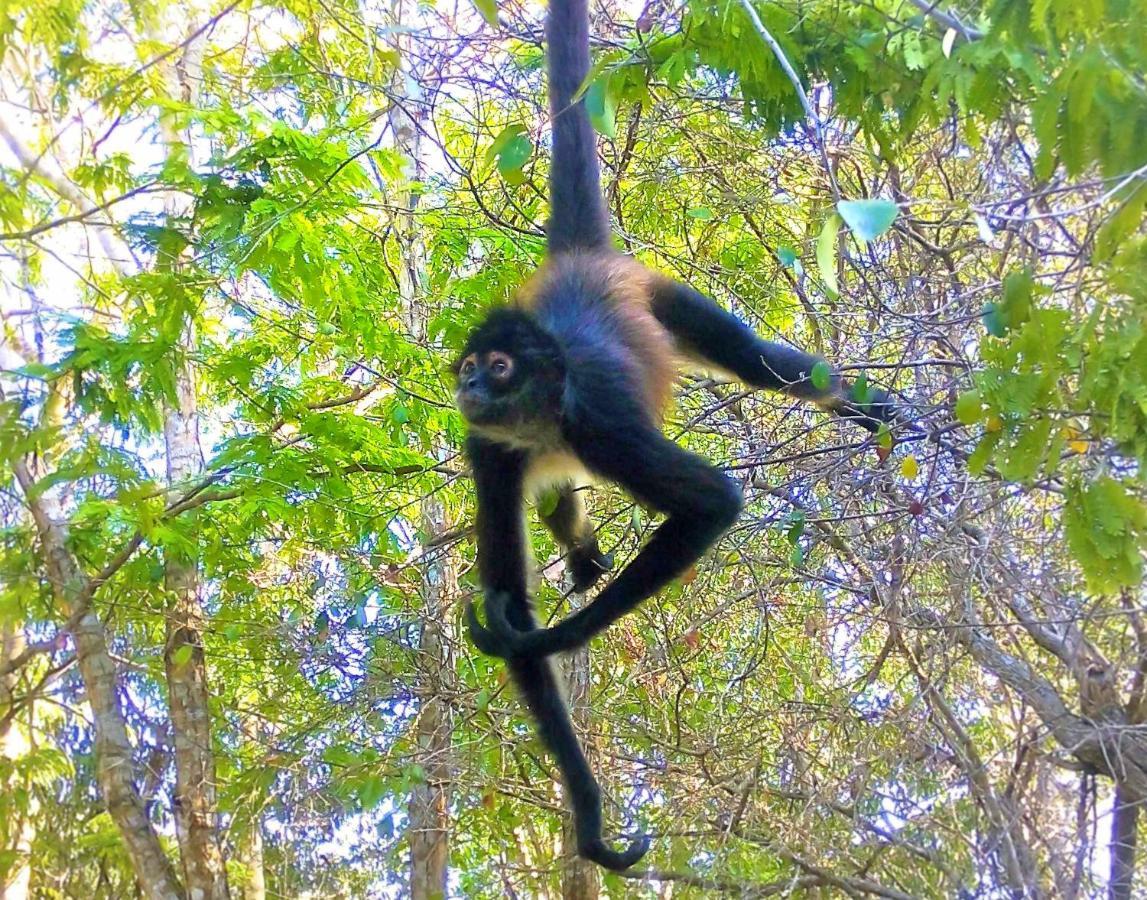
x=239, y=245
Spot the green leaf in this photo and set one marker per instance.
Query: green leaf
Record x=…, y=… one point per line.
x=826, y=253
x=994, y=320
x=821, y=376
x=796, y=526
x=787, y=255
x=861, y=394
x=414, y=774
x=699, y=212
x=488, y=10
x=371, y=791
x=340, y=756
x=980, y=457
x=1016, y=305
x=1023, y=458
x=796, y=558
x=504, y=137
x=514, y=155
x=868, y=219
x=969, y=408
x=400, y=415
x=510, y=149
x=181, y=655
x=636, y=518
x=1106, y=528
x=602, y=107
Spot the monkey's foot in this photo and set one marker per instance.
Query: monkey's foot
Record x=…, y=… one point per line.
x=500, y=638
x=587, y=565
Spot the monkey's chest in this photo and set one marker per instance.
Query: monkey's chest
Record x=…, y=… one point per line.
x=552, y=461
x=557, y=466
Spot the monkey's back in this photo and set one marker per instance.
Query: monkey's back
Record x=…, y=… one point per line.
x=596, y=305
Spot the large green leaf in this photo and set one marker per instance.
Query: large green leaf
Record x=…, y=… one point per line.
x=826, y=253
x=868, y=219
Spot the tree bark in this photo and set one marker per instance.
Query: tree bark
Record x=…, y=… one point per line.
x=429, y=825
x=196, y=816
x=429, y=801
x=113, y=750
x=1124, y=840
x=254, y=884
x=19, y=831
x=580, y=879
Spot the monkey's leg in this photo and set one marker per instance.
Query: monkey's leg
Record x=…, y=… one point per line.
x=700, y=500
x=716, y=336
x=498, y=477
x=568, y=523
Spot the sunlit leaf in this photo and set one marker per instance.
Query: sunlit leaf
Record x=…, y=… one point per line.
x=826, y=253
x=868, y=219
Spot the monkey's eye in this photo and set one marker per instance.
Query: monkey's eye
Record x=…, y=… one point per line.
x=501, y=365
x=467, y=366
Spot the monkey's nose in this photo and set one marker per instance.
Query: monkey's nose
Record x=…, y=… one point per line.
x=472, y=383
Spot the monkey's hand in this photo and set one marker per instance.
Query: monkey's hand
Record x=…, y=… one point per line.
x=586, y=565
x=502, y=639
x=878, y=409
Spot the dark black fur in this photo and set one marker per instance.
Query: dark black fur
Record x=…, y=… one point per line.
x=578, y=389
x=578, y=216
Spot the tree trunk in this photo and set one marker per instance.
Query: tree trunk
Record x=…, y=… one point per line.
x=19, y=831
x=579, y=876
x=429, y=820
x=196, y=817
x=429, y=801
x=254, y=884
x=112, y=750
x=1124, y=838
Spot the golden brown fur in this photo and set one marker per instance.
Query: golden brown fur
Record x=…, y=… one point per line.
x=628, y=290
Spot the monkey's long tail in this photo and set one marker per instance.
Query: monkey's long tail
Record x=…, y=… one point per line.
x=578, y=217
x=536, y=680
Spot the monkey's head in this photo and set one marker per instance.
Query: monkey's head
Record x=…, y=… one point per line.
x=511, y=372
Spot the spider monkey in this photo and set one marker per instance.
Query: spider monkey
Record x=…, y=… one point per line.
x=570, y=380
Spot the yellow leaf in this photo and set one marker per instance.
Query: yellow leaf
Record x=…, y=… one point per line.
x=909, y=468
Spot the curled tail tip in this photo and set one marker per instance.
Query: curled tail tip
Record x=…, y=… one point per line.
x=598, y=852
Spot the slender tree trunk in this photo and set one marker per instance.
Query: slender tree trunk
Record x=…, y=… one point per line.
x=196, y=815
x=254, y=884
x=1124, y=840
x=196, y=818
x=429, y=818
x=579, y=876
x=72, y=590
x=113, y=750
x=20, y=830
x=429, y=801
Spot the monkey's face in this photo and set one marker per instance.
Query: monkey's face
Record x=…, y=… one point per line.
x=510, y=373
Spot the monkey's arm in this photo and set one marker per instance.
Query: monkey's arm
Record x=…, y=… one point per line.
x=700, y=501
x=568, y=524
x=499, y=474
x=498, y=477
x=718, y=337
